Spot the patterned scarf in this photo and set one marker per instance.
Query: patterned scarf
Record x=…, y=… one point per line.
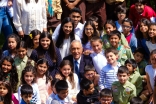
x=50, y=9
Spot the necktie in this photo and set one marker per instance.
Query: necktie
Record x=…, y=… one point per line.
x=77, y=69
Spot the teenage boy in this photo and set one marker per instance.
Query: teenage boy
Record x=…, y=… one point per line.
x=88, y=94
x=75, y=15
x=26, y=94
x=90, y=73
x=135, y=77
x=140, y=10
x=98, y=57
x=123, y=90
x=62, y=92
x=109, y=72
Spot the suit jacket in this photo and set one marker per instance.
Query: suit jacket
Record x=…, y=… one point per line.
x=85, y=60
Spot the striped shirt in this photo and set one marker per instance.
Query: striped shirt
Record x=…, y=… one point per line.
x=108, y=75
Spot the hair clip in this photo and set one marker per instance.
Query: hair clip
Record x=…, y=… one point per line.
x=30, y=36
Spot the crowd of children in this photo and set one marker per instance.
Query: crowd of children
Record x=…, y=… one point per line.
x=78, y=61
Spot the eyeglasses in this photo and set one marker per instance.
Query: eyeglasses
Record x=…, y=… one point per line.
x=126, y=27
x=90, y=75
x=88, y=29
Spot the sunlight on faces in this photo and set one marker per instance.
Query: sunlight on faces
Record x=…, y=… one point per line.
x=138, y=57
x=45, y=43
x=152, y=31
x=66, y=70
x=114, y=41
x=12, y=43
x=27, y=98
x=109, y=28
x=67, y=28
x=76, y=17
x=111, y=58
x=106, y=100
x=29, y=77
x=3, y=90
x=139, y=7
x=76, y=49
x=42, y=68
x=96, y=46
x=36, y=41
x=6, y=66
x=89, y=30
x=123, y=77
x=22, y=52
x=90, y=75
x=143, y=28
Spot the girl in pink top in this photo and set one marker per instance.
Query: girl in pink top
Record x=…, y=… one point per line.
x=43, y=80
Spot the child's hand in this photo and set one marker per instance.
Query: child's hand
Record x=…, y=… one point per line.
x=9, y=3
x=70, y=6
x=58, y=76
x=74, y=99
x=87, y=52
x=126, y=46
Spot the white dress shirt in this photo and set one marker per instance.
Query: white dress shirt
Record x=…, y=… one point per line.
x=77, y=31
x=99, y=61
x=30, y=16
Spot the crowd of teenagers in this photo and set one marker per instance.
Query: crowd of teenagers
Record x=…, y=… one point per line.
x=77, y=52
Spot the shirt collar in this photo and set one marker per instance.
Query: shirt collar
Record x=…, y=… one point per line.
x=58, y=99
x=25, y=59
x=77, y=60
x=79, y=26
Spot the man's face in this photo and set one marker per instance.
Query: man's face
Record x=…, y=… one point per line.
x=76, y=17
x=76, y=50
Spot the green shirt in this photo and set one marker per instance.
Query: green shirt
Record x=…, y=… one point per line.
x=20, y=65
x=106, y=44
x=124, y=54
x=122, y=94
x=136, y=79
x=141, y=66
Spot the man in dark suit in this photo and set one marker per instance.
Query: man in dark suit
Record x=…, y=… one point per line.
x=77, y=58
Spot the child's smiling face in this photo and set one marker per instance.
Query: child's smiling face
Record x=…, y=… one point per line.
x=139, y=7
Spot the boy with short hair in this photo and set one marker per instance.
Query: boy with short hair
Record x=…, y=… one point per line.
x=62, y=92
x=123, y=90
x=26, y=94
x=90, y=73
x=141, y=62
x=88, y=94
x=136, y=100
x=134, y=77
x=98, y=57
x=140, y=10
x=109, y=72
x=106, y=96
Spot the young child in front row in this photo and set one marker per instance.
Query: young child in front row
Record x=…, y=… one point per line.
x=123, y=90
x=88, y=94
x=141, y=62
x=62, y=92
x=26, y=94
x=90, y=73
x=106, y=96
x=134, y=77
x=98, y=57
x=29, y=77
x=136, y=100
x=109, y=72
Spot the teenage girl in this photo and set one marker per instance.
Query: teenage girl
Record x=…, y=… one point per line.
x=5, y=92
x=13, y=40
x=151, y=72
x=33, y=41
x=47, y=49
x=142, y=36
x=127, y=26
x=8, y=72
x=151, y=43
x=66, y=36
x=110, y=26
x=88, y=32
x=29, y=77
x=43, y=79
x=66, y=73
x=22, y=59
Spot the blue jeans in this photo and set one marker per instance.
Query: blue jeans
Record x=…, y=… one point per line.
x=5, y=26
